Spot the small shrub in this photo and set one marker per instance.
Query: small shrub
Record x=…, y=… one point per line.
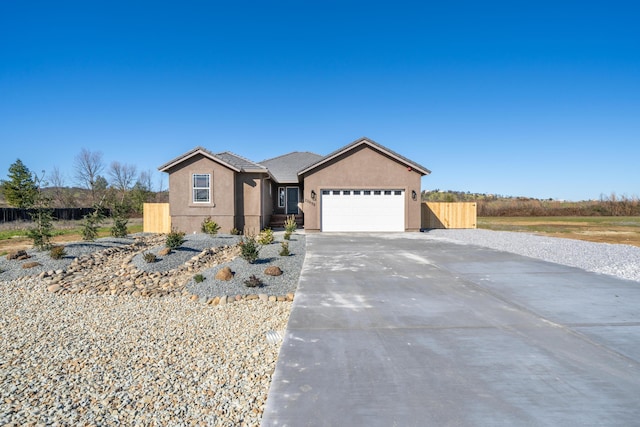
x=149, y=257
x=209, y=226
x=253, y=282
x=175, y=239
x=249, y=249
x=284, y=249
x=287, y=235
x=266, y=237
x=234, y=231
x=57, y=252
x=290, y=224
x=91, y=223
x=198, y=278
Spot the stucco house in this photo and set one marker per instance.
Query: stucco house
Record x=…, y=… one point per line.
x=362, y=186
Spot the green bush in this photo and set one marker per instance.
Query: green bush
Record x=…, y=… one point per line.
x=175, y=239
x=57, y=252
x=290, y=224
x=249, y=249
x=198, y=278
x=287, y=235
x=266, y=237
x=235, y=231
x=120, y=221
x=149, y=257
x=209, y=226
x=284, y=249
x=91, y=223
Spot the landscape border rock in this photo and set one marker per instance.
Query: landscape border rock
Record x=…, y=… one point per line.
x=111, y=272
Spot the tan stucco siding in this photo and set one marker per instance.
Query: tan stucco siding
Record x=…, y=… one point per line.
x=362, y=167
x=249, y=202
x=186, y=215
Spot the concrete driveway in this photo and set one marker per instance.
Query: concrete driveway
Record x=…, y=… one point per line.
x=403, y=330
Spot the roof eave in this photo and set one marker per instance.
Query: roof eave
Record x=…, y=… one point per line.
x=190, y=154
x=421, y=169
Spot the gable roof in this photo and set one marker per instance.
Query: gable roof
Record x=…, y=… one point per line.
x=284, y=169
x=378, y=147
x=228, y=159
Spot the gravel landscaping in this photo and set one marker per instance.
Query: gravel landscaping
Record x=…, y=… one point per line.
x=126, y=359
x=622, y=261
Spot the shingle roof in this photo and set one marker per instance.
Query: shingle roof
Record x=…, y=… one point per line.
x=284, y=169
x=240, y=162
x=231, y=160
x=364, y=140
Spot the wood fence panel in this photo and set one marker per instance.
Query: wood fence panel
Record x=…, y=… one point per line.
x=156, y=218
x=449, y=215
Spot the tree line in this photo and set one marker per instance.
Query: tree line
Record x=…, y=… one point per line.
x=123, y=194
x=93, y=182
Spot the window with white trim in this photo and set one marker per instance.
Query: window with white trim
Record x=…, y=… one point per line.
x=201, y=188
x=281, y=197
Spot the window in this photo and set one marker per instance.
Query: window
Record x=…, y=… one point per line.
x=397, y=193
x=336, y=192
x=387, y=192
x=282, y=197
x=201, y=188
x=356, y=192
x=377, y=192
x=346, y=193
x=367, y=192
x=326, y=192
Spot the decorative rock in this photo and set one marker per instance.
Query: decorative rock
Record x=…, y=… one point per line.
x=164, y=252
x=53, y=288
x=30, y=264
x=263, y=297
x=273, y=270
x=20, y=254
x=224, y=273
x=223, y=300
x=289, y=296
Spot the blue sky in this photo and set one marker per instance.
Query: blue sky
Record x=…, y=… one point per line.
x=538, y=99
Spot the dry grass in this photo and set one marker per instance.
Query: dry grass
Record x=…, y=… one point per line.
x=616, y=230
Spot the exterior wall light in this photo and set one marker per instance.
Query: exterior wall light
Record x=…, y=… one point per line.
x=414, y=195
x=313, y=194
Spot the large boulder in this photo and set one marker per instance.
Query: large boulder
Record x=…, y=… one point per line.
x=273, y=270
x=224, y=273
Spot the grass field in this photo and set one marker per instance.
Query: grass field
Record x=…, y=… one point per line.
x=13, y=236
x=602, y=229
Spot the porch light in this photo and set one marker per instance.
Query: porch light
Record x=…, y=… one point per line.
x=414, y=195
x=313, y=194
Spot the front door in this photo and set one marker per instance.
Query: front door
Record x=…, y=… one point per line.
x=292, y=200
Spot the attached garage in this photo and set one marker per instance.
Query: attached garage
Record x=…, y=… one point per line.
x=362, y=210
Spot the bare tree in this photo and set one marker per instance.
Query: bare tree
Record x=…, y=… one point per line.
x=122, y=177
x=88, y=165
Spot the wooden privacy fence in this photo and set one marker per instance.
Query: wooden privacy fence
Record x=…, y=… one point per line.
x=449, y=215
x=156, y=218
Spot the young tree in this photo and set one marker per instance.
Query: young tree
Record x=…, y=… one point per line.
x=21, y=188
x=42, y=217
x=88, y=166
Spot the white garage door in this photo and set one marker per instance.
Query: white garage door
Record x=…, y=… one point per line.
x=362, y=210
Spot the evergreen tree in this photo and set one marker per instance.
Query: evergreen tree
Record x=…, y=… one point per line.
x=20, y=190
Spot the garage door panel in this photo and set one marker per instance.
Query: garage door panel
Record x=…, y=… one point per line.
x=362, y=212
